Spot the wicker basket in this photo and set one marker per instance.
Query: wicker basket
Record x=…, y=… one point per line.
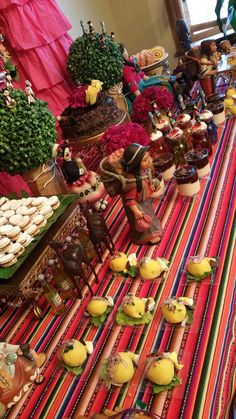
x=46, y=179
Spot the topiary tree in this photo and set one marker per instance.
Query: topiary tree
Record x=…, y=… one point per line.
x=96, y=58
x=27, y=133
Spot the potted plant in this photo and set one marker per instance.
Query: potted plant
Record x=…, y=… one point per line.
x=27, y=135
x=95, y=57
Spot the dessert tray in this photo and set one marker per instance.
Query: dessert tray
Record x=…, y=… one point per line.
x=64, y=202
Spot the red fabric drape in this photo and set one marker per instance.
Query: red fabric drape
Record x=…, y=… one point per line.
x=36, y=35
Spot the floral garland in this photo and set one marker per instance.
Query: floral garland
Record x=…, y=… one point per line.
x=120, y=136
x=151, y=99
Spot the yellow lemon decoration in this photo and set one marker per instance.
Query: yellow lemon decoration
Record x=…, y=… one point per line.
x=230, y=92
x=98, y=305
x=228, y=102
x=161, y=371
x=173, y=311
x=199, y=268
x=233, y=110
x=151, y=269
x=120, y=367
x=74, y=353
x=118, y=262
x=134, y=306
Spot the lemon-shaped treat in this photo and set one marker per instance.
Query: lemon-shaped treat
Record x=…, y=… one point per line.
x=230, y=92
x=150, y=269
x=229, y=102
x=200, y=268
x=74, y=353
x=161, y=371
x=118, y=262
x=173, y=311
x=233, y=110
x=121, y=367
x=133, y=306
x=97, y=306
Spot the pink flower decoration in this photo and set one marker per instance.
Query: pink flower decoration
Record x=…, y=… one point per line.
x=120, y=136
x=143, y=103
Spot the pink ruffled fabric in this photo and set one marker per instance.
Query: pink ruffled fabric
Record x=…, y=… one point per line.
x=35, y=33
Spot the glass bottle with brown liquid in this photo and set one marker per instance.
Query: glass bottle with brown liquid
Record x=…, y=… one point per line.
x=52, y=296
x=63, y=282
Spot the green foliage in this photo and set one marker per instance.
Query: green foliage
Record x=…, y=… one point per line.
x=231, y=19
x=97, y=321
x=191, y=277
x=27, y=134
x=88, y=60
x=104, y=375
x=74, y=370
x=124, y=320
x=175, y=382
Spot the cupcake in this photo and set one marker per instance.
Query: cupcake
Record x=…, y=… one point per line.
x=187, y=180
x=199, y=158
x=164, y=163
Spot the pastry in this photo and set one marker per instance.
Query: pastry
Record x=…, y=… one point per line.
x=9, y=213
x=4, y=242
x=54, y=202
x=14, y=233
x=3, y=200
x=6, y=206
x=32, y=230
x=199, y=158
x=3, y=220
x=46, y=210
x=25, y=239
x=7, y=260
x=164, y=163
x=39, y=220
x=187, y=180
x=22, y=210
x=6, y=229
x=15, y=248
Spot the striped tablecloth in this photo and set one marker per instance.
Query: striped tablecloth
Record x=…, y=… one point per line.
x=203, y=224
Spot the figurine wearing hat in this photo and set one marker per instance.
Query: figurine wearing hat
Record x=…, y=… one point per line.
x=85, y=183
x=145, y=228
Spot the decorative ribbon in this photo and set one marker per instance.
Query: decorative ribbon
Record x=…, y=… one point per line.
x=46, y=169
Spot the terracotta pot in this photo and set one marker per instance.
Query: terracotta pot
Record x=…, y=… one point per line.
x=46, y=179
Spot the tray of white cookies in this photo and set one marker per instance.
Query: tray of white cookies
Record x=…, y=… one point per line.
x=23, y=222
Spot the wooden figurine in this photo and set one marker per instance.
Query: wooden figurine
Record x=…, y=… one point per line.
x=72, y=259
x=98, y=231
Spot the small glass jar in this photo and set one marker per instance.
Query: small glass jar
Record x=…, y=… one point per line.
x=183, y=121
x=200, y=137
x=199, y=159
x=164, y=163
x=177, y=144
x=207, y=117
x=187, y=180
x=215, y=103
x=163, y=126
x=157, y=144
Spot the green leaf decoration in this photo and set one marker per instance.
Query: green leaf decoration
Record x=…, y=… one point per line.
x=123, y=320
x=97, y=321
x=191, y=277
x=189, y=315
x=232, y=13
x=87, y=60
x=74, y=370
x=174, y=383
x=218, y=8
x=26, y=135
x=103, y=373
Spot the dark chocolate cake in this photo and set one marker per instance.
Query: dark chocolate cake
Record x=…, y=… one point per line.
x=84, y=122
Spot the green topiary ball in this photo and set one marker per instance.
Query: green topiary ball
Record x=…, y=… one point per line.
x=95, y=60
x=27, y=134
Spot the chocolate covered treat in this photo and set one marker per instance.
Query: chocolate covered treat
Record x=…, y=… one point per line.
x=164, y=163
x=200, y=136
x=83, y=122
x=187, y=181
x=157, y=144
x=199, y=158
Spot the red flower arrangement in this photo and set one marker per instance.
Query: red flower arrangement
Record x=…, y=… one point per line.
x=120, y=136
x=144, y=103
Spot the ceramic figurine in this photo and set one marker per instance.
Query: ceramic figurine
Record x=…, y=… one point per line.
x=19, y=368
x=10, y=103
x=86, y=184
x=208, y=65
x=29, y=92
x=8, y=82
x=137, y=187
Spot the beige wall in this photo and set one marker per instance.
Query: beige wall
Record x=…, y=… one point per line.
x=95, y=10
x=138, y=23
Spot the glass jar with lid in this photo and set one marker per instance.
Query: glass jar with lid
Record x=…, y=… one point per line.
x=183, y=121
x=200, y=136
x=177, y=144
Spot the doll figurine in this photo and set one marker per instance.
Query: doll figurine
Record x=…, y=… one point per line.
x=208, y=65
x=8, y=82
x=29, y=92
x=135, y=80
x=86, y=184
x=10, y=103
x=138, y=187
x=19, y=369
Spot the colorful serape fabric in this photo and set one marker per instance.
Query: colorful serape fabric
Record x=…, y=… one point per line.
x=199, y=225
